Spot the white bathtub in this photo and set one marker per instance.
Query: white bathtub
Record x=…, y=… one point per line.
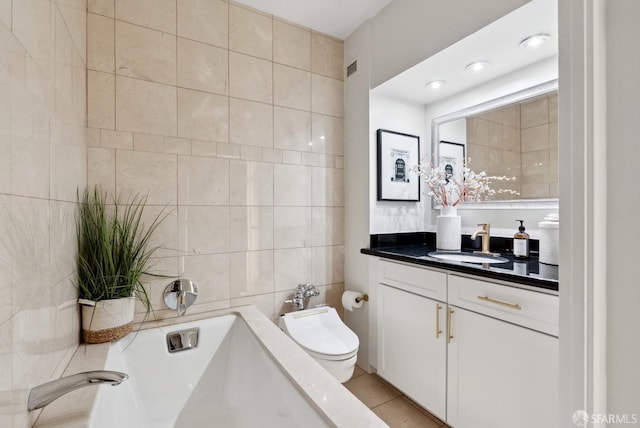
x=232, y=379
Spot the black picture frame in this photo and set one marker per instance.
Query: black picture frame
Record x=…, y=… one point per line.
x=453, y=155
x=398, y=153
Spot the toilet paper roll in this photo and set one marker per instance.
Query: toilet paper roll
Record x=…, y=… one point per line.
x=351, y=300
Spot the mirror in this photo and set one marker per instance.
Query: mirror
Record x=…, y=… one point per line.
x=515, y=136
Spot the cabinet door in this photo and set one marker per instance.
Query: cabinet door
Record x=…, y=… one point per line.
x=411, y=353
x=500, y=375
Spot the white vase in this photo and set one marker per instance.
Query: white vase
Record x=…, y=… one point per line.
x=449, y=229
x=107, y=320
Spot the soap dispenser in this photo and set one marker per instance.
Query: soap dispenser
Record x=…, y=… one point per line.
x=521, y=243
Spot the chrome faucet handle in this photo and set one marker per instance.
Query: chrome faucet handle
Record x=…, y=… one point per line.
x=180, y=294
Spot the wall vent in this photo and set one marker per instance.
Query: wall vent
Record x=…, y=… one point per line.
x=352, y=68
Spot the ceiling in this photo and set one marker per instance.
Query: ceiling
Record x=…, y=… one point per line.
x=498, y=43
x=337, y=18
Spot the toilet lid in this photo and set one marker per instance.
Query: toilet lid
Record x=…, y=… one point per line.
x=321, y=331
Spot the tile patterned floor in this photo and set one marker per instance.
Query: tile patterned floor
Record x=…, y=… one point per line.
x=389, y=404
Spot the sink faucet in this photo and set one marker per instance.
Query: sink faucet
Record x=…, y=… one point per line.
x=41, y=395
x=486, y=238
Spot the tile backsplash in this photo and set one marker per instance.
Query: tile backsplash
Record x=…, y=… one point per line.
x=43, y=156
x=232, y=120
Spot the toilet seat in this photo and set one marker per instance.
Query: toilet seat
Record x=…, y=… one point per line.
x=322, y=333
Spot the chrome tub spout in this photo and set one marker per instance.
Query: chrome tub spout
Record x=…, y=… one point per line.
x=41, y=395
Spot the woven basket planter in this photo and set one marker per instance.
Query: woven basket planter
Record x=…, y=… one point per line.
x=107, y=320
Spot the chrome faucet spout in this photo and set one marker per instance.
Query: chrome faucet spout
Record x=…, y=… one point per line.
x=41, y=395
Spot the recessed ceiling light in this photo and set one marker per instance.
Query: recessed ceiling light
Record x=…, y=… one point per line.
x=477, y=66
x=435, y=84
x=535, y=40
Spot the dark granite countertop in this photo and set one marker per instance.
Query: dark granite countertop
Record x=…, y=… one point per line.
x=415, y=247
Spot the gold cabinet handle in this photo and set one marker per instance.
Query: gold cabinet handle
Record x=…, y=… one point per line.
x=438, y=330
x=515, y=306
x=449, y=329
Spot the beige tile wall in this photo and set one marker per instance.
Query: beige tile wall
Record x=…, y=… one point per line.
x=42, y=162
x=521, y=141
x=233, y=119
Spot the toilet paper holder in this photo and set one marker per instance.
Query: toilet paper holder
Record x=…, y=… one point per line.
x=364, y=297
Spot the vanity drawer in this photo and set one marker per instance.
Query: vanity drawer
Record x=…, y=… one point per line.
x=425, y=282
x=530, y=309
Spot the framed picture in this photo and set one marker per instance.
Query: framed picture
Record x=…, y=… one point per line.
x=452, y=157
x=398, y=153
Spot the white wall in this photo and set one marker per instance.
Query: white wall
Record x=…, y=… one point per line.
x=623, y=153
x=408, y=118
x=407, y=32
x=356, y=181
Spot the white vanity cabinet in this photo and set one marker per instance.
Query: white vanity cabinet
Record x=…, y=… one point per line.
x=501, y=373
x=412, y=347
x=477, y=354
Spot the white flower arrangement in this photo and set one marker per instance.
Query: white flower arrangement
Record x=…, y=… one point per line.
x=446, y=190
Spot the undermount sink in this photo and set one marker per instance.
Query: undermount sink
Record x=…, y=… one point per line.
x=467, y=257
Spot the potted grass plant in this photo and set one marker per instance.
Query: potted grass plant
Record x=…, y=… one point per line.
x=113, y=254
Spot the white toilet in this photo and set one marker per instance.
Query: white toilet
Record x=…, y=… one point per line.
x=324, y=336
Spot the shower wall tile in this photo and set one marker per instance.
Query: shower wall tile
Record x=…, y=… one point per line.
x=291, y=45
x=101, y=168
x=157, y=14
x=292, y=228
x=250, y=78
x=327, y=134
x=292, y=185
x=43, y=160
x=251, y=228
x=292, y=87
x=292, y=129
x=233, y=121
x=250, y=32
x=203, y=67
x=203, y=181
x=251, y=123
x=145, y=107
x=211, y=273
x=102, y=7
x=327, y=56
x=100, y=43
x=153, y=175
x=293, y=266
x=252, y=273
x=206, y=21
x=101, y=90
x=203, y=230
x=327, y=95
x=202, y=116
x=30, y=169
x=251, y=183
x=145, y=54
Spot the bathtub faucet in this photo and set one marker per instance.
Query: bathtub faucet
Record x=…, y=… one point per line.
x=41, y=395
x=180, y=294
x=302, y=291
